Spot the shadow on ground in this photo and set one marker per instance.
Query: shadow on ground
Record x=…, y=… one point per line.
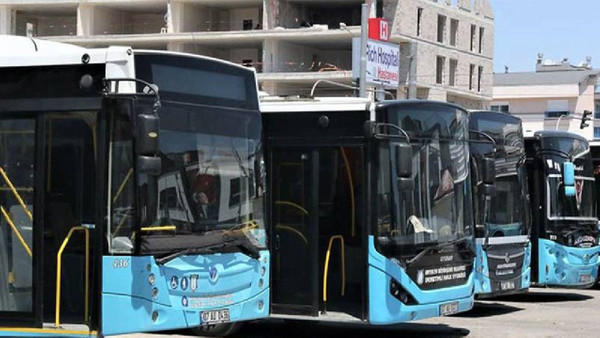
x=304, y=329
x=487, y=309
x=546, y=297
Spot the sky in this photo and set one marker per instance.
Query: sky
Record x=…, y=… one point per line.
x=556, y=28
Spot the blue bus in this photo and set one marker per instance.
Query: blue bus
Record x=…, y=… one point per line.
x=502, y=215
x=564, y=230
x=129, y=200
x=370, y=209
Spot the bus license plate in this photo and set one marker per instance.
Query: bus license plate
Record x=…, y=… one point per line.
x=449, y=309
x=586, y=279
x=214, y=317
x=508, y=285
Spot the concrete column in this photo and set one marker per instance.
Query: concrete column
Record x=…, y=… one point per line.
x=175, y=16
x=175, y=47
x=5, y=20
x=270, y=55
x=85, y=19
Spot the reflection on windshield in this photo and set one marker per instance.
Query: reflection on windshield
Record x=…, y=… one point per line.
x=580, y=206
x=205, y=184
x=507, y=208
x=438, y=209
x=506, y=214
x=211, y=182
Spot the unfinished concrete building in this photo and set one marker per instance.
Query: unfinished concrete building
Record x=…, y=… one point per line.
x=446, y=46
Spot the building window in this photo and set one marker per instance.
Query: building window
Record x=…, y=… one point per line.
x=557, y=108
x=441, y=28
x=473, y=33
x=439, y=69
x=419, y=16
x=597, y=111
x=481, y=33
x=452, y=75
x=453, y=32
x=479, y=78
x=597, y=132
x=556, y=114
x=502, y=108
x=471, y=74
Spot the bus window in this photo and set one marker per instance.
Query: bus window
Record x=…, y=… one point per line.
x=122, y=192
x=17, y=157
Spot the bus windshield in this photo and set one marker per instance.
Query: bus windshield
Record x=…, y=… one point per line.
x=561, y=207
x=438, y=209
x=507, y=213
x=508, y=206
x=210, y=188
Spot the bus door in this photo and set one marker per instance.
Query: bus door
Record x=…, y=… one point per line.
x=319, y=254
x=19, y=253
x=47, y=199
x=294, y=231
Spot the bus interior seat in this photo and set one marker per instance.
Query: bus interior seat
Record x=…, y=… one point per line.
x=21, y=261
x=4, y=269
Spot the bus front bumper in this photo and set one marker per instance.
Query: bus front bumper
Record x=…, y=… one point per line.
x=568, y=267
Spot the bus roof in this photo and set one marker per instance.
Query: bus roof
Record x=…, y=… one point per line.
x=555, y=133
x=273, y=104
x=489, y=113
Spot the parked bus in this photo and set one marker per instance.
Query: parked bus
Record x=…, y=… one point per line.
x=564, y=233
x=370, y=209
x=502, y=215
x=129, y=200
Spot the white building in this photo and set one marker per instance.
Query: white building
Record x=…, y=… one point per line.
x=446, y=45
x=556, y=90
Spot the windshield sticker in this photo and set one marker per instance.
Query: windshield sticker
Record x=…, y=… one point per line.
x=443, y=274
x=184, y=301
x=184, y=283
x=193, y=282
x=174, y=282
x=579, y=192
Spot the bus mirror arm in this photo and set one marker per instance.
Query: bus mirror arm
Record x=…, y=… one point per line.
x=372, y=129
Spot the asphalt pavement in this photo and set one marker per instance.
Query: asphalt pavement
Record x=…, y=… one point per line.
x=539, y=313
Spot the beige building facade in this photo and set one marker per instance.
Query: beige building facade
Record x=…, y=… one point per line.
x=446, y=46
x=554, y=97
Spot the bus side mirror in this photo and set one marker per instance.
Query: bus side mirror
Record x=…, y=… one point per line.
x=568, y=178
x=149, y=165
x=488, y=171
x=403, y=153
x=147, y=129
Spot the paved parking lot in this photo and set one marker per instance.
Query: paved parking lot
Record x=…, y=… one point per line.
x=539, y=313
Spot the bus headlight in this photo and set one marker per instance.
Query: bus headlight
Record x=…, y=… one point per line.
x=401, y=294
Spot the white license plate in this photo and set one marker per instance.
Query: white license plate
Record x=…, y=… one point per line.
x=508, y=285
x=586, y=279
x=214, y=317
x=449, y=309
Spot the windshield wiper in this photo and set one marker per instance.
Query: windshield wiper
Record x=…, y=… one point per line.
x=437, y=247
x=242, y=244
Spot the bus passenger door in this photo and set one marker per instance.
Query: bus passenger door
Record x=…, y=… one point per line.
x=19, y=252
x=294, y=231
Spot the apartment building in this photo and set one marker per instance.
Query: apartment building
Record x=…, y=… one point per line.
x=552, y=97
x=446, y=46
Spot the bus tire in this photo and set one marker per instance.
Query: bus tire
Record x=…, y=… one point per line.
x=217, y=330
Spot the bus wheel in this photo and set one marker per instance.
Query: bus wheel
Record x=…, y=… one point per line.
x=217, y=330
